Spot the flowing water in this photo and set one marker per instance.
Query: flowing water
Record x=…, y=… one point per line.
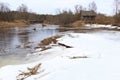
x=16, y=43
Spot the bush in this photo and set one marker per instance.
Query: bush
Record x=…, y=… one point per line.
x=77, y=24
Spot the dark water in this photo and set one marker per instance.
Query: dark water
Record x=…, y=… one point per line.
x=19, y=42
x=16, y=43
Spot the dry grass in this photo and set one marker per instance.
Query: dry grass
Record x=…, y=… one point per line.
x=44, y=45
x=16, y=23
x=45, y=42
x=50, y=40
x=77, y=24
x=31, y=71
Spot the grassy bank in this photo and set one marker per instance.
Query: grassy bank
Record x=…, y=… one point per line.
x=73, y=24
x=16, y=23
x=77, y=24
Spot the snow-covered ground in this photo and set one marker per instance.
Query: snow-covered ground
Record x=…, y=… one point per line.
x=101, y=26
x=94, y=56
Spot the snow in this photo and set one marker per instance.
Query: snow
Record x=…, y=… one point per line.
x=102, y=50
x=100, y=26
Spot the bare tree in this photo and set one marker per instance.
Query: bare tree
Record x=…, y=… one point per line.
x=4, y=7
x=93, y=6
x=23, y=12
x=78, y=9
x=65, y=17
x=117, y=6
x=5, y=14
x=117, y=12
x=23, y=8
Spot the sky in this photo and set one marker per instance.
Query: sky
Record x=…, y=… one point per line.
x=51, y=6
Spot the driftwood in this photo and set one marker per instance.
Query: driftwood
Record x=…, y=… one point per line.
x=77, y=57
x=31, y=71
x=65, y=45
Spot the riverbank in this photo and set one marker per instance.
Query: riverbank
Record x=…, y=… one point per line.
x=16, y=23
x=17, y=42
x=90, y=57
x=91, y=27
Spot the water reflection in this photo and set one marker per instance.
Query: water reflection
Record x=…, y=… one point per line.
x=23, y=40
x=15, y=43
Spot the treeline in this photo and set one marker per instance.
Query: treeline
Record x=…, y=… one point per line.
x=21, y=13
x=63, y=17
x=117, y=12
x=66, y=17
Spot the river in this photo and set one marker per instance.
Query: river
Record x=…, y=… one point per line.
x=17, y=42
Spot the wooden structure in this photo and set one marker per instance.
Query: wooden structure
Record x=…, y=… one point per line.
x=88, y=16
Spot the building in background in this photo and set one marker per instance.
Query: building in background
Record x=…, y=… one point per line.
x=88, y=16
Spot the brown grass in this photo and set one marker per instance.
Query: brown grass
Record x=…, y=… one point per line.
x=50, y=40
x=31, y=71
x=16, y=23
x=77, y=24
x=45, y=42
x=44, y=45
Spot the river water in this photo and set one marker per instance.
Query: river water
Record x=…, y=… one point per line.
x=16, y=43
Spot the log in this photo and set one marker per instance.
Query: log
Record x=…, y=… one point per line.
x=65, y=45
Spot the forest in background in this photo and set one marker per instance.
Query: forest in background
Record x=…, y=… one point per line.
x=63, y=17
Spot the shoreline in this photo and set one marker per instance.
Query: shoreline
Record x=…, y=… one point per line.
x=90, y=27
x=59, y=62
x=16, y=23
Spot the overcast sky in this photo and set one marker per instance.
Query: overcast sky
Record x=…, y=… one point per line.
x=51, y=6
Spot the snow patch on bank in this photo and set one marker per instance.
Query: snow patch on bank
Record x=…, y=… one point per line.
x=101, y=62
x=100, y=26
